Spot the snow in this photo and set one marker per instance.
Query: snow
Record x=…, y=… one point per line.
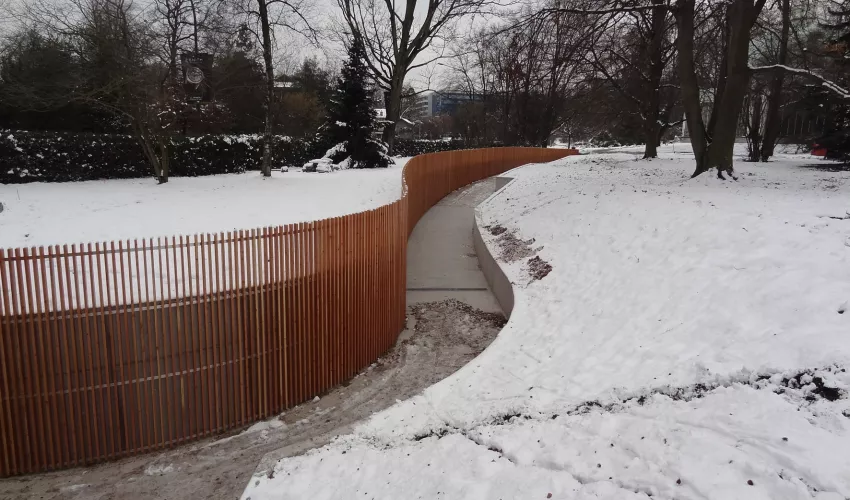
x=158, y=469
x=64, y=213
x=827, y=84
x=686, y=343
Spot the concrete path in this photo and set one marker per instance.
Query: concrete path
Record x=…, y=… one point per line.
x=441, y=260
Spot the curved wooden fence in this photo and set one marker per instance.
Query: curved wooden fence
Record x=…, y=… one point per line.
x=113, y=349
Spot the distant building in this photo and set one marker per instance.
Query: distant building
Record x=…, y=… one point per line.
x=437, y=103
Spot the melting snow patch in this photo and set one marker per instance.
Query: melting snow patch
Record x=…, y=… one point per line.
x=158, y=469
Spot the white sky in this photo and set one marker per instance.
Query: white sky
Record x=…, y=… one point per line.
x=324, y=12
x=293, y=48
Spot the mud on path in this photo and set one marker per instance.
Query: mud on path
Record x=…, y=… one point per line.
x=440, y=338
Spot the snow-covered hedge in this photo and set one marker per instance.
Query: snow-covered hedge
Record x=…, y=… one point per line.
x=413, y=147
x=62, y=157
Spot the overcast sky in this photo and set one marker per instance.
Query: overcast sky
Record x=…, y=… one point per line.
x=292, y=48
x=324, y=12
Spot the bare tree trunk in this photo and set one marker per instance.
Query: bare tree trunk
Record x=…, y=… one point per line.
x=690, y=86
x=774, y=98
x=742, y=14
x=393, y=103
x=713, y=147
x=269, y=95
x=652, y=127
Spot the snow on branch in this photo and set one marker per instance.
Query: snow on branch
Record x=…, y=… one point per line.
x=828, y=84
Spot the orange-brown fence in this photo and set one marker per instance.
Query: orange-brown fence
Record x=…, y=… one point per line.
x=113, y=349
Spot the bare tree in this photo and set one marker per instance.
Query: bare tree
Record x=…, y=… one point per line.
x=114, y=51
x=293, y=16
x=634, y=55
x=396, y=35
x=777, y=81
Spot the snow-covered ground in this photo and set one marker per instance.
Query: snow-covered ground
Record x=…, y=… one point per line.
x=80, y=212
x=690, y=341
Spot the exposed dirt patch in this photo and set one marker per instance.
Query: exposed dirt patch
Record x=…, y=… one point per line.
x=803, y=387
x=441, y=337
x=512, y=248
x=538, y=268
x=496, y=230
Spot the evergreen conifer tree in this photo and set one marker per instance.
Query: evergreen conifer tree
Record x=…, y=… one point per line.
x=836, y=137
x=351, y=119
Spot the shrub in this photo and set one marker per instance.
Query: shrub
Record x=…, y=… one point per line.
x=63, y=157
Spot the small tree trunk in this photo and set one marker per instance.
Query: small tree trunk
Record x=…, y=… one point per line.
x=157, y=161
x=774, y=98
x=268, y=99
x=164, y=160
x=754, y=135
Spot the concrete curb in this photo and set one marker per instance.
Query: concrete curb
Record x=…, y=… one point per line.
x=499, y=283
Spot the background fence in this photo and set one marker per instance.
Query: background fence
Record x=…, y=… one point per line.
x=119, y=348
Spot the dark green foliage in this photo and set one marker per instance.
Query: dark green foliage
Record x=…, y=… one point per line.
x=836, y=136
x=351, y=119
x=413, y=147
x=61, y=157
x=36, y=75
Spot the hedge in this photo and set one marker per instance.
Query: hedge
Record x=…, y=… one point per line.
x=62, y=157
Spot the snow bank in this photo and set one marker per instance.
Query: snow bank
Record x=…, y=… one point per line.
x=650, y=360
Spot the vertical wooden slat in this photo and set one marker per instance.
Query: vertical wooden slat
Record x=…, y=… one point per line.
x=184, y=344
x=310, y=296
x=233, y=330
x=206, y=387
x=154, y=343
x=325, y=301
x=278, y=323
x=281, y=319
x=172, y=333
x=162, y=359
x=44, y=388
x=197, y=400
x=148, y=338
x=297, y=298
x=95, y=418
x=59, y=362
x=290, y=317
x=104, y=393
x=215, y=280
x=7, y=427
x=126, y=371
x=351, y=319
x=256, y=242
x=243, y=418
x=138, y=347
x=251, y=339
x=25, y=414
x=31, y=344
x=118, y=328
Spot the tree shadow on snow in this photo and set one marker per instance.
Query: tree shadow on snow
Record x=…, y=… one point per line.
x=828, y=166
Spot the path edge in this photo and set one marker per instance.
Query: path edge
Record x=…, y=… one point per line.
x=498, y=281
